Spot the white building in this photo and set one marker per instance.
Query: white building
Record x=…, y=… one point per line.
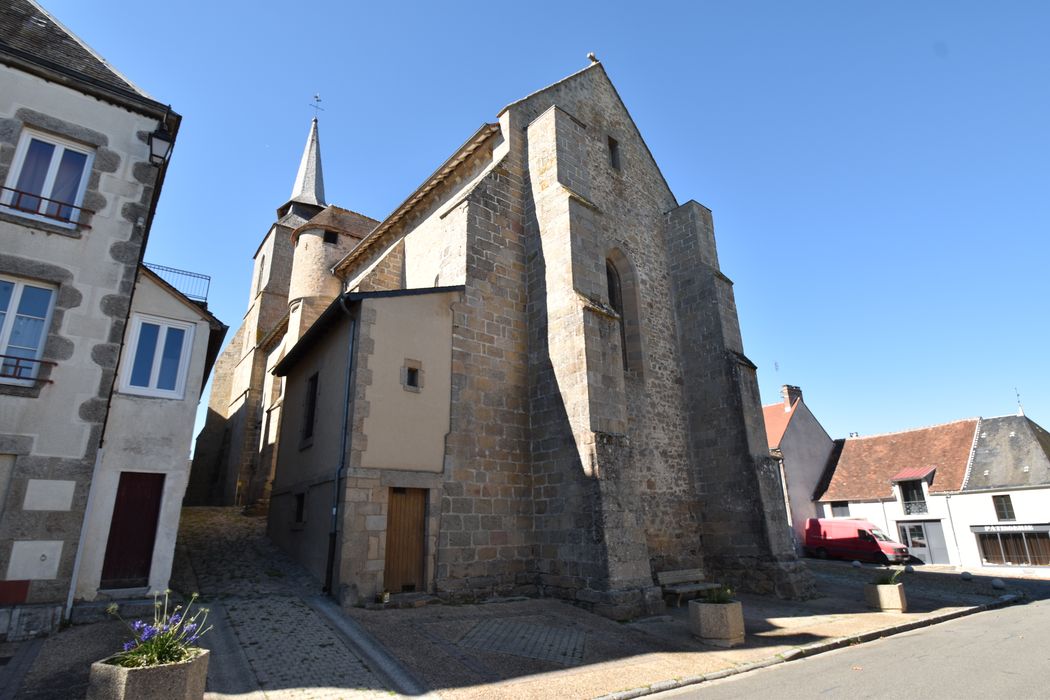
x=79, y=183
x=973, y=493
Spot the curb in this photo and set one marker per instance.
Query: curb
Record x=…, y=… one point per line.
x=810, y=650
x=368, y=648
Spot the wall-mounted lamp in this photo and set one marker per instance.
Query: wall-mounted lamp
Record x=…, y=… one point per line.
x=160, y=144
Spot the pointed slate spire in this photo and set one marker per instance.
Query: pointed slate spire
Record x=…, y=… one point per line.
x=309, y=181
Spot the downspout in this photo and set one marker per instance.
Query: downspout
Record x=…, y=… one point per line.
x=343, y=449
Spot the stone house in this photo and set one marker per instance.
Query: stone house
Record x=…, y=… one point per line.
x=805, y=453
x=528, y=378
x=972, y=493
x=77, y=201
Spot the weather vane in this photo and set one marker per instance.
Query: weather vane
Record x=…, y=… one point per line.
x=317, y=104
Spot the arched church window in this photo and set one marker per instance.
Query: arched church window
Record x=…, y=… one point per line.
x=612, y=277
x=623, y=298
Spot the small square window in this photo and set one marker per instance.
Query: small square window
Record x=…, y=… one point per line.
x=1004, y=507
x=157, y=357
x=300, y=508
x=331, y=237
x=25, y=316
x=412, y=376
x=614, y=153
x=47, y=179
x=840, y=509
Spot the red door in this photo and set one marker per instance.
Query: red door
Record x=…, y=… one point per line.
x=132, y=531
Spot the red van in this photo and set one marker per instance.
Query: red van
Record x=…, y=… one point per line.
x=847, y=538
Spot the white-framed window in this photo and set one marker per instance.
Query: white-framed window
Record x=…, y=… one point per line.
x=25, y=316
x=157, y=357
x=47, y=179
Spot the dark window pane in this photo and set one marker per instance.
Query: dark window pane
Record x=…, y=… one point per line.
x=67, y=183
x=1004, y=507
x=34, y=302
x=1039, y=548
x=6, y=289
x=1013, y=548
x=169, y=359
x=34, y=172
x=144, y=351
x=991, y=552
x=840, y=509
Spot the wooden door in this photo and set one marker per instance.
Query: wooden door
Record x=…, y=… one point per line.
x=405, y=529
x=132, y=530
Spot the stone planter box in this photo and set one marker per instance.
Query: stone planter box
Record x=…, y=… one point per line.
x=720, y=624
x=181, y=681
x=888, y=597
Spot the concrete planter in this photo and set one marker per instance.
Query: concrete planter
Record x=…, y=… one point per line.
x=182, y=681
x=888, y=597
x=720, y=624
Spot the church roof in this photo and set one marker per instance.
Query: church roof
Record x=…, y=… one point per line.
x=333, y=218
x=32, y=39
x=309, y=181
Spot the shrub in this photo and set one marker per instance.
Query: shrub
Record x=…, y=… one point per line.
x=887, y=578
x=722, y=594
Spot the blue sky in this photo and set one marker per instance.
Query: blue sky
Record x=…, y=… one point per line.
x=879, y=172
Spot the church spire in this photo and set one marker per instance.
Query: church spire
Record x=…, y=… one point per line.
x=309, y=181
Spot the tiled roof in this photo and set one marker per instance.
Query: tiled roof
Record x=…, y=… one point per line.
x=1005, y=446
x=777, y=420
x=868, y=464
x=28, y=31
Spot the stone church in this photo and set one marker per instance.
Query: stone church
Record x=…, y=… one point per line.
x=529, y=378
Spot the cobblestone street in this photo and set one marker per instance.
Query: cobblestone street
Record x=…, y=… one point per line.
x=262, y=597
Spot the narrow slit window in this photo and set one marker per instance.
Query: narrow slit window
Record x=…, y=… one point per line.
x=310, y=408
x=614, y=153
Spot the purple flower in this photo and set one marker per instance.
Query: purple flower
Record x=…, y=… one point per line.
x=190, y=626
x=137, y=625
x=148, y=633
x=174, y=620
x=128, y=646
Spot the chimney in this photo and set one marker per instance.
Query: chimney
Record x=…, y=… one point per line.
x=790, y=394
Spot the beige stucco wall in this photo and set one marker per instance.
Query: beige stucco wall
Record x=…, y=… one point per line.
x=146, y=434
x=406, y=429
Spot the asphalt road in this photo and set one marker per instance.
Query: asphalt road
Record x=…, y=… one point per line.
x=1001, y=653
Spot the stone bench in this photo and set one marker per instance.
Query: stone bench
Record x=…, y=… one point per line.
x=682, y=582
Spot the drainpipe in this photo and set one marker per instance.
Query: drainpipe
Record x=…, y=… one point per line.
x=83, y=531
x=955, y=536
x=343, y=448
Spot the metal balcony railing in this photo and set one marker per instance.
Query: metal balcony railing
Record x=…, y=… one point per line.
x=22, y=368
x=194, y=285
x=29, y=203
x=914, y=507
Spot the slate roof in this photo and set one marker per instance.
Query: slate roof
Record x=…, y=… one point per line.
x=1004, y=447
x=867, y=464
x=777, y=420
x=309, y=181
x=333, y=218
x=30, y=33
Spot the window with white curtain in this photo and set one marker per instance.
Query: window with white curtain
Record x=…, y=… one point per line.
x=25, y=314
x=47, y=179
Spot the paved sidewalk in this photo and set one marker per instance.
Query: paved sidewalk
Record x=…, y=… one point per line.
x=277, y=638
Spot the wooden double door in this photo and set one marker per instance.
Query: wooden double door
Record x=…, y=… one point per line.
x=405, y=567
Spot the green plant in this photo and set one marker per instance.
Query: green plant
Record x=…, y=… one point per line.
x=170, y=638
x=888, y=578
x=723, y=594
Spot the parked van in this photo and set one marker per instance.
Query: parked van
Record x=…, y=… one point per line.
x=847, y=538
